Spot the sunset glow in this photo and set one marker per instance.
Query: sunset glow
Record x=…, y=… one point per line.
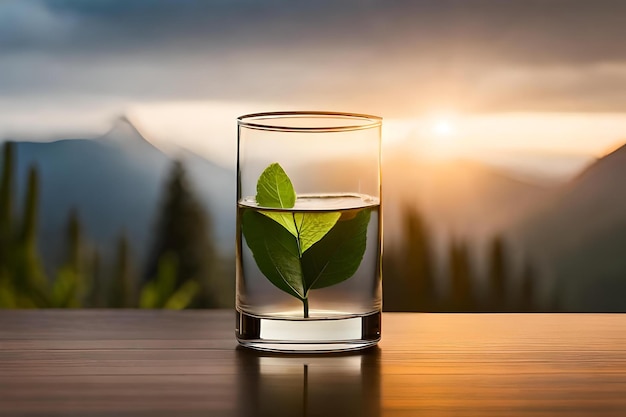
x=443, y=128
x=209, y=128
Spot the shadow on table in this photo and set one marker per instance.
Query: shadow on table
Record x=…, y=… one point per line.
x=346, y=384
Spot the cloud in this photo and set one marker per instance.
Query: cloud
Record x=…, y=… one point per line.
x=29, y=23
x=461, y=30
x=397, y=57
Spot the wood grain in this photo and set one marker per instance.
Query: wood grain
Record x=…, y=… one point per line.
x=163, y=363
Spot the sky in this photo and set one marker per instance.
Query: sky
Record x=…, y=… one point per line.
x=515, y=74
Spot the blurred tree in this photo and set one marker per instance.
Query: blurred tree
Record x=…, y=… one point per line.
x=498, y=276
x=161, y=292
x=122, y=292
x=23, y=283
x=6, y=206
x=73, y=241
x=461, y=292
x=70, y=284
x=409, y=283
x=182, y=231
x=28, y=276
x=96, y=295
x=527, y=292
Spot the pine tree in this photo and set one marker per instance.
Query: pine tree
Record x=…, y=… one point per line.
x=497, y=277
x=95, y=297
x=160, y=293
x=409, y=269
x=183, y=231
x=70, y=284
x=23, y=283
x=461, y=298
x=28, y=277
x=527, y=289
x=73, y=241
x=7, y=292
x=122, y=294
x=6, y=205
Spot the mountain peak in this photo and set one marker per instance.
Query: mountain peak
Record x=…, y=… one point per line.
x=619, y=150
x=611, y=165
x=124, y=132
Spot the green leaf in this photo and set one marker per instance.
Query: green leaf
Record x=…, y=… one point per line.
x=314, y=226
x=308, y=228
x=337, y=256
x=298, y=252
x=286, y=220
x=274, y=188
x=275, y=251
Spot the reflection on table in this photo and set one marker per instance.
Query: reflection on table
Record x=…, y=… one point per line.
x=309, y=385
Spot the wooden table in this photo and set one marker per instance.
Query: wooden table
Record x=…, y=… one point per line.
x=164, y=363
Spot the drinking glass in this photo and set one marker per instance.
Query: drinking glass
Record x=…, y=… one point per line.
x=309, y=231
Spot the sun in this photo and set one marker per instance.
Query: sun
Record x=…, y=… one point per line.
x=443, y=128
x=441, y=136
x=436, y=135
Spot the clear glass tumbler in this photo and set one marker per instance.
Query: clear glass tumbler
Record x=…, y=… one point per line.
x=309, y=231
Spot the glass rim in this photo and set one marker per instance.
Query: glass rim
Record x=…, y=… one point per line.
x=354, y=121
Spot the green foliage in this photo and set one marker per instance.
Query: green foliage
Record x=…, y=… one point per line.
x=7, y=294
x=337, y=256
x=162, y=293
x=23, y=263
x=307, y=228
x=71, y=280
x=66, y=289
x=23, y=283
x=274, y=188
x=298, y=252
x=78, y=281
x=275, y=251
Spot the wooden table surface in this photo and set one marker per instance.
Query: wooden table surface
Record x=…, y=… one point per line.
x=187, y=363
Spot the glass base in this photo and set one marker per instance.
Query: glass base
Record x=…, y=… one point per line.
x=310, y=335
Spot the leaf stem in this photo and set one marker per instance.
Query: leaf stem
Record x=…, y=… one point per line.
x=305, y=301
x=295, y=224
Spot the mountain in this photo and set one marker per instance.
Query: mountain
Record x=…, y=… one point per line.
x=580, y=235
x=459, y=198
x=115, y=182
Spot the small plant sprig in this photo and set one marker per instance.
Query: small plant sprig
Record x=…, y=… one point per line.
x=301, y=251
